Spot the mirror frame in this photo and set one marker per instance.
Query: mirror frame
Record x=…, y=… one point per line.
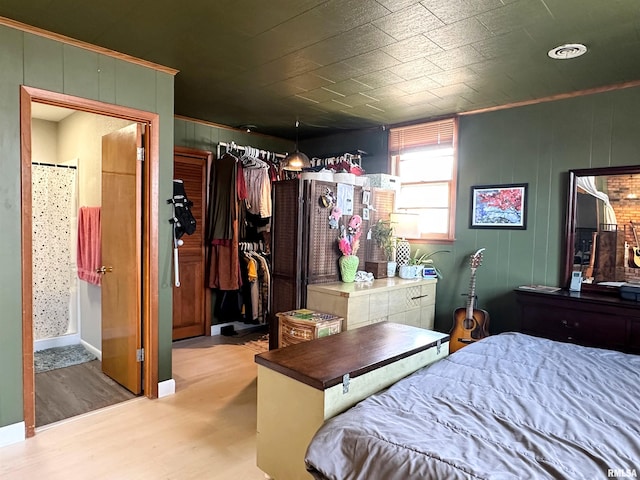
x=570, y=224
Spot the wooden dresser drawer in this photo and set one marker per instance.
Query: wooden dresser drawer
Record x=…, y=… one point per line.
x=397, y=300
x=634, y=340
x=578, y=326
x=606, y=322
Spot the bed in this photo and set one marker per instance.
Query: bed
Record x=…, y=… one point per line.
x=511, y=406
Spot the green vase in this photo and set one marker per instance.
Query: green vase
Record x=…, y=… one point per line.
x=348, y=267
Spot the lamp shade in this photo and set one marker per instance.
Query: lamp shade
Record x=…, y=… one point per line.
x=405, y=225
x=296, y=161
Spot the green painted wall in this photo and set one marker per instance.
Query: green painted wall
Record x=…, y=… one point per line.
x=204, y=136
x=374, y=141
x=39, y=62
x=537, y=145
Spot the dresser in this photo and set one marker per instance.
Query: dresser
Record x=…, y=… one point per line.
x=594, y=320
x=408, y=302
x=303, y=385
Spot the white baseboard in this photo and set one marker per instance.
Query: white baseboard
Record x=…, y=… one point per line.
x=168, y=387
x=61, y=341
x=12, y=434
x=92, y=349
x=215, y=329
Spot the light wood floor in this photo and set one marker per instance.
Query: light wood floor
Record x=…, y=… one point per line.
x=205, y=431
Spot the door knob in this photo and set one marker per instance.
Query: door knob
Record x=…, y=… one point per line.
x=104, y=270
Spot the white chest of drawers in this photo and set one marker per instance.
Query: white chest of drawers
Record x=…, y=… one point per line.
x=409, y=302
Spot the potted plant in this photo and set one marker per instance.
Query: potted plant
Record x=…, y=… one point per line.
x=382, y=234
x=425, y=260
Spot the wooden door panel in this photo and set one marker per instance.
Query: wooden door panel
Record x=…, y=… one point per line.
x=188, y=310
x=190, y=318
x=287, y=251
x=121, y=252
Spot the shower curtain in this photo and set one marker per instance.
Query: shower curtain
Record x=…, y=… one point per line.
x=53, y=209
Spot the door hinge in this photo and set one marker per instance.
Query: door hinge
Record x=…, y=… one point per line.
x=140, y=154
x=140, y=355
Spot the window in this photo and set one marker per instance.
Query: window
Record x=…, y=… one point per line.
x=424, y=157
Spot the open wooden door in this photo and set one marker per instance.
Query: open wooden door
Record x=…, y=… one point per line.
x=121, y=218
x=191, y=311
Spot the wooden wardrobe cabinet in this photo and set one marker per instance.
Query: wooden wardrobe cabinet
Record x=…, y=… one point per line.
x=304, y=249
x=594, y=320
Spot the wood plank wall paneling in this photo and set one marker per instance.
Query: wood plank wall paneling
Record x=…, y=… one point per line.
x=53, y=65
x=535, y=144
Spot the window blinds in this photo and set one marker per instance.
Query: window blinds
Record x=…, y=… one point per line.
x=420, y=135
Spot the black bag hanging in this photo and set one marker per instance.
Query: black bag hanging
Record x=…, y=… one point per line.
x=183, y=221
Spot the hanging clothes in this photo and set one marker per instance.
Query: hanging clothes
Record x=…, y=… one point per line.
x=223, y=198
x=264, y=284
x=224, y=265
x=250, y=290
x=258, y=185
x=256, y=286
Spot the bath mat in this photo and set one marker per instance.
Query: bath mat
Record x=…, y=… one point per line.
x=60, y=357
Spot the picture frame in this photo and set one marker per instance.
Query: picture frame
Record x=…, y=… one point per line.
x=499, y=206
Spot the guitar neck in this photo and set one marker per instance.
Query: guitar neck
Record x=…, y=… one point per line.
x=635, y=235
x=472, y=293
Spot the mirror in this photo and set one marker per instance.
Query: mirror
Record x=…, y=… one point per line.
x=602, y=217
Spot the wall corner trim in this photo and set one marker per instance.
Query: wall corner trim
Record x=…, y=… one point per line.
x=12, y=434
x=166, y=388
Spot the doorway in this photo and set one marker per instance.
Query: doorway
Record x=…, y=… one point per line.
x=144, y=238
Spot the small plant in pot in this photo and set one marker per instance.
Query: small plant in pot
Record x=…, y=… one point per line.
x=425, y=260
x=382, y=234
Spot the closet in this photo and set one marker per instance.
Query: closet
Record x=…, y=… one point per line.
x=239, y=232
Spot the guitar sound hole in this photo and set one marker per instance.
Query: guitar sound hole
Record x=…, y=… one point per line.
x=468, y=323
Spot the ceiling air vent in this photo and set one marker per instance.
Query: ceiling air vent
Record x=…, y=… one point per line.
x=567, y=51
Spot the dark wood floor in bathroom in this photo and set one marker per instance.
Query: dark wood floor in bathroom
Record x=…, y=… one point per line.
x=70, y=391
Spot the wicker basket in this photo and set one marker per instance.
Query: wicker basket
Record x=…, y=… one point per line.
x=299, y=326
x=379, y=269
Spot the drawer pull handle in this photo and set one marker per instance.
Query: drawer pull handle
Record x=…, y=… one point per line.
x=567, y=324
x=419, y=296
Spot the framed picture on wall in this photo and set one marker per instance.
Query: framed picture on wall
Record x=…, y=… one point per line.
x=499, y=206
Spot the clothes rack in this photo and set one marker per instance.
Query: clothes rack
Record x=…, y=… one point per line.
x=233, y=146
x=328, y=161
x=251, y=246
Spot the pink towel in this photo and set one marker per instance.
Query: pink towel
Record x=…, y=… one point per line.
x=89, y=255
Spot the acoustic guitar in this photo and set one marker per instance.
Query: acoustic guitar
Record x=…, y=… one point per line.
x=634, y=252
x=469, y=324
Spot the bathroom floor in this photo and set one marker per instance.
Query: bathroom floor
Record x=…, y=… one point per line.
x=66, y=392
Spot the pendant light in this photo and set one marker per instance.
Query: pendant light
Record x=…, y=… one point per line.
x=297, y=160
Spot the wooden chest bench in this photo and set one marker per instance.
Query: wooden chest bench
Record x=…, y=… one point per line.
x=303, y=385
